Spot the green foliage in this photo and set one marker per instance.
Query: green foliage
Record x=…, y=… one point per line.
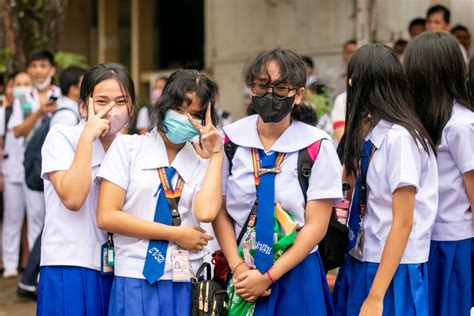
x=65, y=59
x=321, y=103
x=4, y=55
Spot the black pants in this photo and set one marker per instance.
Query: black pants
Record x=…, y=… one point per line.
x=30, y=275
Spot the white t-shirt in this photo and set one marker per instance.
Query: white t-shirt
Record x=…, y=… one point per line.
x=338, y=114
x=143, y=120
x=455, y=157
x=239, y=187
x=70, y=238
x=399, y=161
x=131, y=163
x=71, y=116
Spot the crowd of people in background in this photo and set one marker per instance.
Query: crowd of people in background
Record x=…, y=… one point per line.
x=405, y=151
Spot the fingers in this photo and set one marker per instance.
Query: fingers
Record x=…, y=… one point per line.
x=194, y=122
x=267, y=292
x=208, y=120
x=242, y=277
x=207, y=237
x=106, y=109
x=199, y=229
x=90, y=108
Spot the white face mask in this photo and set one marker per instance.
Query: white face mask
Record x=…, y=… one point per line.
x=43, y=85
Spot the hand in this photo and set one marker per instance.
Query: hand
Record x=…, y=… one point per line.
x=48, y=107
x=252, y=284
x=96, y=125
x=191, y=238
x=371, y=307
x=242, y=268
x=211, y=139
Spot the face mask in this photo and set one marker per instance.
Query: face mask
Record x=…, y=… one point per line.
x=271, y=109
x=117, y=120
x=20, y=91
x=178, y=128
x=43, y=85
x=155, y=95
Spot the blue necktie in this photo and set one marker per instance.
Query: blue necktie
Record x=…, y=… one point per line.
x=265, y=214
x=354, y=216
x=156, y=254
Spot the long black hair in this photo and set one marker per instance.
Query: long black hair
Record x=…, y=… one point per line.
x=179, y=84
x=470, y=80
x=292, y=71
x=379, y=88
x=436, y=75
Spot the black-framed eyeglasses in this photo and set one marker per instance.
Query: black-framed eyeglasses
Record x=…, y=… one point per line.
x=280, y=91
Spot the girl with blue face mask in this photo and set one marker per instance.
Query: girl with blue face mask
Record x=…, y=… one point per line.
x=155, y=191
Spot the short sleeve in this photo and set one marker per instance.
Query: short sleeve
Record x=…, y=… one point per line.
x=404, y=162
x=460, y=139
x=57, y=152
x=17, y=115
x=338, y=114
x=142, y=118
x=325, y=180
x=116, y=165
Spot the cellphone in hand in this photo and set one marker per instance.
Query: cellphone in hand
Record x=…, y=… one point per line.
x=52, y=99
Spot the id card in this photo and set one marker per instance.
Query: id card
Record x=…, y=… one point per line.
x=181, y=267
x=107, y=256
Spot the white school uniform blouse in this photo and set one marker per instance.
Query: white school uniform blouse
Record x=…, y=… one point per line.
x=70, y=238
x=239, y=187
x=455, y=157
x=131, y=163
x=399, y=161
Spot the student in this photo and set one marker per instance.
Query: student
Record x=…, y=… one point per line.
x=154, y=192
x=67, y=113
x=71, y=244
x=416, y=27
x=395, y=198
x=436, y=75
x=14, y=191
x=143, y=117
x=295, y=283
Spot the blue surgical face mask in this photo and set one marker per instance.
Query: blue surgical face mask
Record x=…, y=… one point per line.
x=19, y=91
x=178, y=128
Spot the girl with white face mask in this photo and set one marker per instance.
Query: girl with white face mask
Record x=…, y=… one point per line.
x=71, y=273
x=154, y=192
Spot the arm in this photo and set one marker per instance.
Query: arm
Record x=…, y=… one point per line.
x=253, y=284
x=338, y=132
x=111, y=218
x=208, y=200
x=403, y=205
x=469, y=185
x=25, y=128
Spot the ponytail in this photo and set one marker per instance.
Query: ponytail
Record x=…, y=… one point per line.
x=304, y=113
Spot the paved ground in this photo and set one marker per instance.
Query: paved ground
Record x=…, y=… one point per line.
x=10, y=303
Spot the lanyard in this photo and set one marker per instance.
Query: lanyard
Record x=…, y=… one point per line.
x=173, y=196
x=363, y=183
x=258, y=170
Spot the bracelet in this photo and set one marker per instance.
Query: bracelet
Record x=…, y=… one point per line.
x=270, y=277
x=238, y=265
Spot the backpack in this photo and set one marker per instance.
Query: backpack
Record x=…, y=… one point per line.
x=33, y=160
x=332, y=247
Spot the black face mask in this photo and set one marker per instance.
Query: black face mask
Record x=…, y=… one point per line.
x=271, y=109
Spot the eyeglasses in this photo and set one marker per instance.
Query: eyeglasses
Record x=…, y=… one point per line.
x=280, y=91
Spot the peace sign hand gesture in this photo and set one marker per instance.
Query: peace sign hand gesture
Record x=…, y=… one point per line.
x=97, y=125
x=211, y=139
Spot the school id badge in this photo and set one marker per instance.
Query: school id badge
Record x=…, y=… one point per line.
x=107, y=259
x=181, y=266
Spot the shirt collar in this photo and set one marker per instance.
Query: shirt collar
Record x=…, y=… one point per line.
x=154, y=156
x=297, y=136
x=379, y=132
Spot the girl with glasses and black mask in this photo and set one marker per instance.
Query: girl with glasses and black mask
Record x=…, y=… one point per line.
x=395, y=196
x=437, y=77
x=263, y=168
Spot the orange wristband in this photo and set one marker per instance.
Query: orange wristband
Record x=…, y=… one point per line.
x=238, y=265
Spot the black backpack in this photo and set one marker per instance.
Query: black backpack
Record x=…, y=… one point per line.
x=33, y=160
x=332, y=247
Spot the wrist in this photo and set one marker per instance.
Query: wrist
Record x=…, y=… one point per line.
x=219, y=154
x=268, y=279
x=375, y=295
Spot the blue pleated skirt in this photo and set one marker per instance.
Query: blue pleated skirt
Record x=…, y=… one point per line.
x=136, y=297
x=407, y=294
x=65, y=290
x=450, y=268
x=301, y=291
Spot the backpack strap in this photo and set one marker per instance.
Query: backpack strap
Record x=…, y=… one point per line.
x=229, y=148
x=306, y=159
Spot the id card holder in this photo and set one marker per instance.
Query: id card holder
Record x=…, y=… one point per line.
x=107, y=259
x=181, y=266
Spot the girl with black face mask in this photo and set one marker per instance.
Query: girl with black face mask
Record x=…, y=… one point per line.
x=264, y=167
